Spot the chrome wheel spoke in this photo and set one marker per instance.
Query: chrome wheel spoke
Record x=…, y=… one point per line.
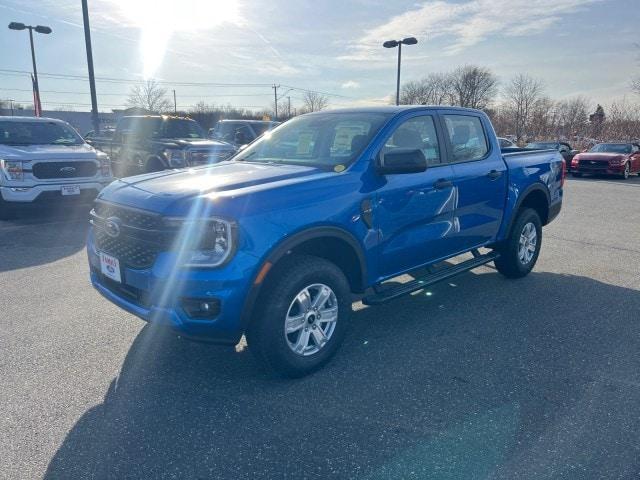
x=328, y=314
x=303, y=341
x=322, y=297
x=304, y=299
x=319, y=336
x=295, y=323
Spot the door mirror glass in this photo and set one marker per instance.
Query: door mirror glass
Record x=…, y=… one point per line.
x=401, y=160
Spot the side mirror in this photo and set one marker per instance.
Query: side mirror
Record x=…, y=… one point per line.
x=575, y=152
x=401, y=160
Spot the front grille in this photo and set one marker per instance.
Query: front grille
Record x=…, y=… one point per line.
x=593, y=164
x=47, y=170
x=129, y=217
x=131, y=251
x=139, y=239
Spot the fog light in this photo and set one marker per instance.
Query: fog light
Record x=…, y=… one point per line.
x=206, y=308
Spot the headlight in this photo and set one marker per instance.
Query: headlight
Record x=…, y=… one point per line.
x=12, y=169
x=175, y=157
x=105, y=165
x=204, y=243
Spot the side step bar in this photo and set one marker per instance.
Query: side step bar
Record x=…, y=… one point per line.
x=429, y=279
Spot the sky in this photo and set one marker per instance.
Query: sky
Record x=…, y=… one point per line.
x=239, y=48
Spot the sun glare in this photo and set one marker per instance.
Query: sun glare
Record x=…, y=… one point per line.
x=158, y=20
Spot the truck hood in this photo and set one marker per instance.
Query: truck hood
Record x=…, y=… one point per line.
x=47, y=152
x=158, y=191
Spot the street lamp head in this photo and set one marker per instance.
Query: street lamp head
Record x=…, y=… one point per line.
x=410, y=41
x=390, y=44
x=43, y=29
x=17, y=26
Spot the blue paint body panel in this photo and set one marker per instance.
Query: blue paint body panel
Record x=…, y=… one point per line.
x=413, y=223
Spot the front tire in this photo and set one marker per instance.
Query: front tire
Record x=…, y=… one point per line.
x=576, y=174
x=626, y=172
x=520, y=251
x=301, y=317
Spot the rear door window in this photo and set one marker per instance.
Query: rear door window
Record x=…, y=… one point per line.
x=466, y=137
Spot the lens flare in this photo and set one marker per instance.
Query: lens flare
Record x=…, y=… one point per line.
x=159, y=20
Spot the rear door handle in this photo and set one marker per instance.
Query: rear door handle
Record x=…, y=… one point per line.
x=442, y=183
x=493, y=174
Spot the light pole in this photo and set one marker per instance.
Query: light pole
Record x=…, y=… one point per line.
x=39, y=29
x=399, y=43
x=95, y=118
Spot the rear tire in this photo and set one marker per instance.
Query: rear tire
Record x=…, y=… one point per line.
x=154, y=165
x=309, y=298
x=520, y=251
x=576, y=174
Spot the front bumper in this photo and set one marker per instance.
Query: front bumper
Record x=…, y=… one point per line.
x=155, y=294
x=31, y=193
x=608, y=170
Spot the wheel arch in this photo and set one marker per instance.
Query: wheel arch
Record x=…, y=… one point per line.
x=537, y=197
x=331, y=243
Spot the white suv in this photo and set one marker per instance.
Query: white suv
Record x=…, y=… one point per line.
x=44, y=159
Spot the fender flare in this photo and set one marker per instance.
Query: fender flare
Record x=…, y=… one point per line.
x=284, y=247
x=530, y=189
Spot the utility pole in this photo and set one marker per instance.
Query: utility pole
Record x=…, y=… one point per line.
x=175, y=104
x=288, y=106
x=275, y=98
x=92, y=79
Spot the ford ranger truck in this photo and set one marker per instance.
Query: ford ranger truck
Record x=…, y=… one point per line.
x=273, y=243
x=150, y=143
x=45, y=160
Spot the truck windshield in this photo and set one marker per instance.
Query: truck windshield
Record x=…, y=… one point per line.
x=38, y=133
x=179, y=128
x=325, y=140
x=611, y=148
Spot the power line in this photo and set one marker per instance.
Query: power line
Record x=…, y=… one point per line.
x=73, y=104
x=127, y=93
x=60, y=76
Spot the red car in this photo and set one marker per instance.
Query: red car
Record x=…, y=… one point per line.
x=620, y=159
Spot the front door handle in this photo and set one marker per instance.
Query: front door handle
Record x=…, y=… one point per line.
x=494, y=174
x=442, y=183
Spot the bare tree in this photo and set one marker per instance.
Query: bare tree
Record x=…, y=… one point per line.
x=573, y=117
x=149, y=96
x=473, y=87
x=314, y=101
x=435, y=89
x=521, y=96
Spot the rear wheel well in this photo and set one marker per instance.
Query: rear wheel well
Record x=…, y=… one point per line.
x=537, y=200
x=338, y=252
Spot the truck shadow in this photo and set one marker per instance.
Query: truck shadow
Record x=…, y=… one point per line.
x=456, y=382
x=43, y=234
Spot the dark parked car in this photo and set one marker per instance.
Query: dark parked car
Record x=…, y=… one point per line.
x=240, y=132
x=564, y=148
x=620, y=159
x=143, y=144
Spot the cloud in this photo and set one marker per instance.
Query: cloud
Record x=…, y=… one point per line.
x=350, y=84
x=464, y=24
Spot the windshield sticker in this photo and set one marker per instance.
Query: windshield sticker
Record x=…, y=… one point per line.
x=338, y=168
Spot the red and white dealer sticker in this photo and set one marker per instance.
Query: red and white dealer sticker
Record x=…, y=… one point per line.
x=110, y=267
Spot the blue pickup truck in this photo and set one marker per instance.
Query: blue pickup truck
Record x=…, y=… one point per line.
x=275, y=242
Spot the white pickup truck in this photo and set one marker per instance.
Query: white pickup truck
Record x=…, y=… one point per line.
x=45, y=160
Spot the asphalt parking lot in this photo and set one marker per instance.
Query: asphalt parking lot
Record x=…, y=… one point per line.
x=484, y=377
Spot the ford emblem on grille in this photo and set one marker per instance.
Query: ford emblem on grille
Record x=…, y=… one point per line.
x=68, y=170
x=112, y=226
